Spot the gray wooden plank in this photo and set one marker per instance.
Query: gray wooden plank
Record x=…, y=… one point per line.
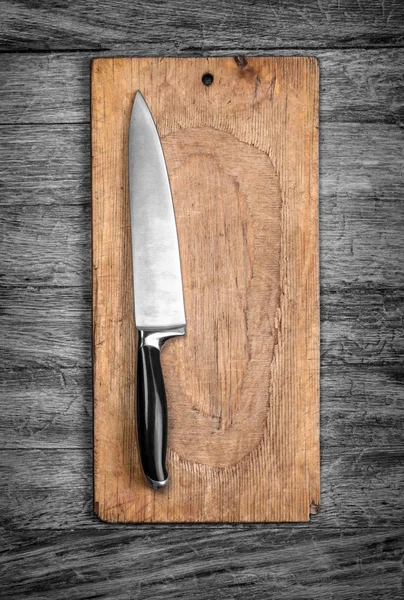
x=46, y=327
x=203, y=563
x=45, y=164
x=355, y=85
x=167, y=27
x=45, y=88
x=46, y=408
x=52, y=489
x=54, y=327
x=46, y=245
x=362, y=325
x=41, y=164
x=361, y=213
x=361, y=209
x=361, y=407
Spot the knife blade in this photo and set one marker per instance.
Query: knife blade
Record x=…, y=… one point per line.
x=158, y=295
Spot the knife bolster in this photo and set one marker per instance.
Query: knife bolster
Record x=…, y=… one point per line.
x=157, y=337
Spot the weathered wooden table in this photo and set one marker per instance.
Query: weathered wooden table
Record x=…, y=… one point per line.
x=53, y=546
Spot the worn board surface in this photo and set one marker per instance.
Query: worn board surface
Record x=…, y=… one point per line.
x=242, y=385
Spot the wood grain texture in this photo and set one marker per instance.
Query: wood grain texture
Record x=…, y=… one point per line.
x=52, y=488
x=46, y=379
x=45, y=165
x=355, y=86
x=242, y=386
x=204, y=562
x=361, y=178
x=196, y=28
x=51, y=407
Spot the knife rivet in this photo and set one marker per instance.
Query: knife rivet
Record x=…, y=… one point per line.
x=207, y=79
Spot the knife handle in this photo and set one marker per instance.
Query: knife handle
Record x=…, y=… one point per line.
x=151, y=407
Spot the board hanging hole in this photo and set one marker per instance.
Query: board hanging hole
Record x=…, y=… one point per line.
x=207, y=79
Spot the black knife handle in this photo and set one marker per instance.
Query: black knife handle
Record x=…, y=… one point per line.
x=151, y=407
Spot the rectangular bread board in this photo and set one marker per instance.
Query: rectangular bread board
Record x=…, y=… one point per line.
x=243, y=384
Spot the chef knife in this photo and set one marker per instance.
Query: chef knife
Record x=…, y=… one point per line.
x=158, y=295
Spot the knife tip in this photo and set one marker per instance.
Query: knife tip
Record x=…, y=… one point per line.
x=139, y=98
x=139, y=104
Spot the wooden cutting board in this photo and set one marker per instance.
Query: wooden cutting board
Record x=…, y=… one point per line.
x=243, y=385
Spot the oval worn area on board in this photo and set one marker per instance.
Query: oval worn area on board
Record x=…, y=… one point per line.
x=227, y=203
